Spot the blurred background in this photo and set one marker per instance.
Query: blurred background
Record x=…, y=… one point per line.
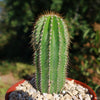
x=17, y=18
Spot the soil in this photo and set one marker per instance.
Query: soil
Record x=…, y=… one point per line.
x=7, y=81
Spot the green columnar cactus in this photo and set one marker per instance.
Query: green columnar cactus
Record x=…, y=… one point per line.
x=51, y=41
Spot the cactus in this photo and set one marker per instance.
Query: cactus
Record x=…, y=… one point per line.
x=51, y=40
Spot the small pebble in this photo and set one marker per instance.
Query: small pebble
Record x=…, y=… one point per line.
x=80, y=96
x=70, y=91
x=63, y=92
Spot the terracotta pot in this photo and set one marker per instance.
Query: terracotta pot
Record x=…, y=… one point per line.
x=13, y=88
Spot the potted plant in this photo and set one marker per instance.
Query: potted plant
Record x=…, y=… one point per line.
x=51, y=40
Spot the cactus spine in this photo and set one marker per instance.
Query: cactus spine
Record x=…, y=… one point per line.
x=51, y=41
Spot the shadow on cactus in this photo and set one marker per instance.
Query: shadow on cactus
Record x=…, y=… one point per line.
x=50, y=40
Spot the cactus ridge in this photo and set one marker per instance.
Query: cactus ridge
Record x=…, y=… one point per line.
x=54, y=55
x=37, y=39
x=44, y=50
x=51, y=41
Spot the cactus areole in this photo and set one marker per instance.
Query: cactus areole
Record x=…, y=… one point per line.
x=51, y=40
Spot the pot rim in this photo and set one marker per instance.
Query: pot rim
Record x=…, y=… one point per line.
x=13, y=88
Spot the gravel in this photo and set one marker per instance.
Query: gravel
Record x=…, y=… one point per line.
x=70, y=91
